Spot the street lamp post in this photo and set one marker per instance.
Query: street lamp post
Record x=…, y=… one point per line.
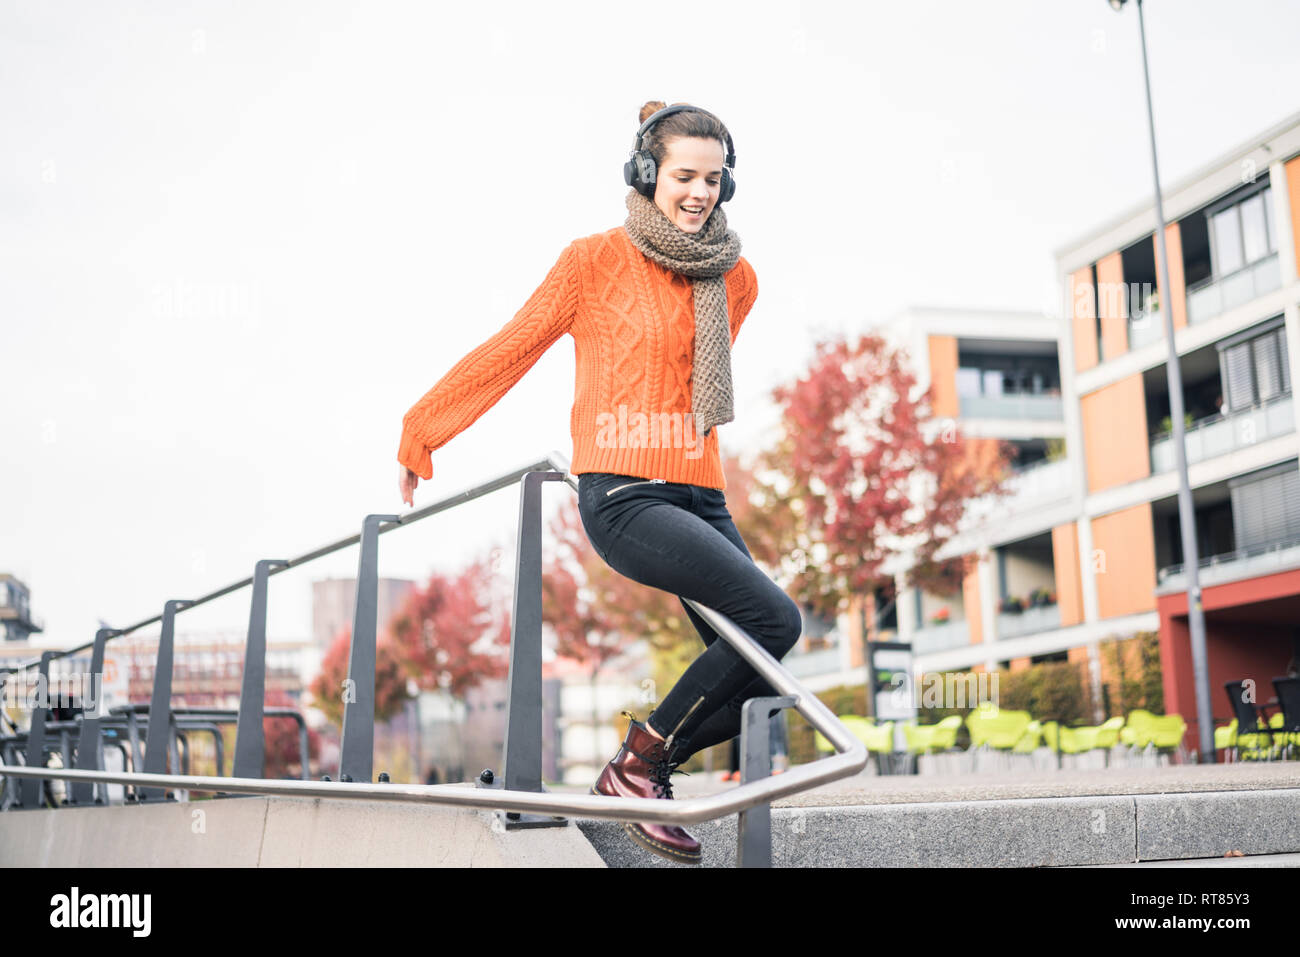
x=1186, y=515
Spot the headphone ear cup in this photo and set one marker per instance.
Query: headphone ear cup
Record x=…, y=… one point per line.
x=647, y=173
x=727, y=186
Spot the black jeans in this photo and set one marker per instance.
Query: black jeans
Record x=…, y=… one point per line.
x=681, y=538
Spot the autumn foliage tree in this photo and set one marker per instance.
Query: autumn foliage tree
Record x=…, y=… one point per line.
x=390, y=682
x=283, y=754
x=454, y=632
x=864, y=471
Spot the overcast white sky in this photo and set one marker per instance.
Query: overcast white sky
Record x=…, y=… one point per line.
x=239, y=241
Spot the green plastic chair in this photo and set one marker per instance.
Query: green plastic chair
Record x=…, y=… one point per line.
x=945, y=733
x=1051, y=731
x=1249, y=746
x=1225, y=736
x=1108, y=732
x=1031, y=739
x=995, y=728
x=929, y=738
x=878, y=739
x=1138, y=720
x=1078, y=740
x=919, y=738
x=1165, y=732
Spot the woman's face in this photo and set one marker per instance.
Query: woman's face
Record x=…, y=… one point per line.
x=688, y=181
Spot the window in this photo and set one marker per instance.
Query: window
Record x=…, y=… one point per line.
x=1266, y=506
x=1254, y=368
x=1225, y=227
x=1242, y=233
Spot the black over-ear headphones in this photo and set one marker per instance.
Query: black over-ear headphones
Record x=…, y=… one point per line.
x=640, y=172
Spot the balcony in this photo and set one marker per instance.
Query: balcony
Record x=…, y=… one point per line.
x=1219, y=434
x=1019, y=405
x=1232, y=566
x=1146, y=329
x=932, y=638
x=1215, y=297
x=1029, y=622
x=1041, y=480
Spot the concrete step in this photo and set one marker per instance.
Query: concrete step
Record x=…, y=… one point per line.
x=1041, y=819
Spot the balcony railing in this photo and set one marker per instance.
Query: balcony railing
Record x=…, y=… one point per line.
x=1018, y=405
x=1145, y=329
x=1231, y=566
x=1029, y=622
x=932, y=638
x=1220, y=434
x=1216, y=296
x=1038, y=480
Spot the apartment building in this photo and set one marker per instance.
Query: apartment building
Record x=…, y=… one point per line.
x=1235, y=302
x=1087, y=547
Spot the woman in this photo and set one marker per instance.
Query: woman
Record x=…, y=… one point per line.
x=653, y=307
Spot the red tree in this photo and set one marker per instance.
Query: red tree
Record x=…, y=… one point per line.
x=453, y=633
x=390, y=683
x=862, y=472
x=283, y=741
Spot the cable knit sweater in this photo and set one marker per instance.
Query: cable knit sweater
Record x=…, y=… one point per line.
x=633, y=328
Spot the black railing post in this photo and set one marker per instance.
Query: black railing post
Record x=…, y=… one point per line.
x=32, y=788
x=156, y=743
x=250, y=738
x=90, y=747
x=357, y=753
x=754, y=827
x=523, y=741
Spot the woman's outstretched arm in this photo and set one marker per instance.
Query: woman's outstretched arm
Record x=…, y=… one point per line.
x=480, y=379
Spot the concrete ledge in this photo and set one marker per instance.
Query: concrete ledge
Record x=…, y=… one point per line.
x=1028, y=833
x=1172, y=826
x=282, y=832
x=1037, y=832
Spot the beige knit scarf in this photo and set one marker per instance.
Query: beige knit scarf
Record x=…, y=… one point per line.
x=704, y=257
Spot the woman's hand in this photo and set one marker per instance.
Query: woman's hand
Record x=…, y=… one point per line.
x=406, y=482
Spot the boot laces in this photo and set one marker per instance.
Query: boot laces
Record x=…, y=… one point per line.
x=660, y=770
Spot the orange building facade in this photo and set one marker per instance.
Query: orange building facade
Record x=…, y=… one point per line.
x=1088, y=548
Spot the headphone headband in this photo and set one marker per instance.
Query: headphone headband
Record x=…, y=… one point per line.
x=658, y=115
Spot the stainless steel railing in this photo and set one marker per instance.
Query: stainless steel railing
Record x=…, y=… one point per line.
x=522, y=793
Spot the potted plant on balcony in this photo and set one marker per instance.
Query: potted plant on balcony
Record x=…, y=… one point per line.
x=1151, y=304
x=1167, y=423
x=940, y=617
x=1012, y=605
x=1042, y=597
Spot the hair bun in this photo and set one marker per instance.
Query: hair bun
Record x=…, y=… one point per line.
x=652, y=107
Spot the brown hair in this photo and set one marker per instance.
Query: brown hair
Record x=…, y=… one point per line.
x=685, y=123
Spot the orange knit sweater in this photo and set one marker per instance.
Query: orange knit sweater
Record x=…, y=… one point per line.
x=633, y=328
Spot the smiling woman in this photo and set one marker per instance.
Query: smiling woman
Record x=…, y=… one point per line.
x=653, y=307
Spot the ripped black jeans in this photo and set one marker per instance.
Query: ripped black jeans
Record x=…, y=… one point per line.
x=681, y=538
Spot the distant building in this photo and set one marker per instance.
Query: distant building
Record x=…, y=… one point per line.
x=17, y=623
x=208, y=668
x=334, y=602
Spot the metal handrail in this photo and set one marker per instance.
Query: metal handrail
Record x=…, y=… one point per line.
x=502, y=481
x=851, y=756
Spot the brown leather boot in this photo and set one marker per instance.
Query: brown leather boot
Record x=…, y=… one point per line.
x=640, y=769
